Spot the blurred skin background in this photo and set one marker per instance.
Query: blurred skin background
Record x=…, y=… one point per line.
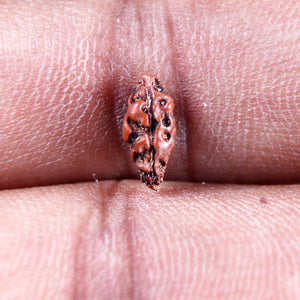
x=226, y=222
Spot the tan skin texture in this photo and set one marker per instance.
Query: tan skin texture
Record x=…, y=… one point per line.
x=66, y=69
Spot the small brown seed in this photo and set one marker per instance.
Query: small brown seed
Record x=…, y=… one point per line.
x=148, y=124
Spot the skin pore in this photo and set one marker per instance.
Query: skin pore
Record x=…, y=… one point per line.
x=66, y=70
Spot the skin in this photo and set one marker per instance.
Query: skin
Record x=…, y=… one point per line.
x=66, y=70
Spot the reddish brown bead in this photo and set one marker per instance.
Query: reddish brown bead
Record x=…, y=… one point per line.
x=149, y=127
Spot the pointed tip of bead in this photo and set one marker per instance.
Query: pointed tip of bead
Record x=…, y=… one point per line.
x=154, y=187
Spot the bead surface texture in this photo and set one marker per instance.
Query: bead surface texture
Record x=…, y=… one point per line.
x=149, y=128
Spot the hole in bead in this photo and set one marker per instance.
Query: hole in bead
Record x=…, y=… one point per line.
x=162, y=102
x=145, y=109
x=166, y=121
x=162, y=163
x=135, y=98
x=166, y=136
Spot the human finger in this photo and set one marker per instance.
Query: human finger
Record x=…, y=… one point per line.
x=65, y=79
x=118, y=240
